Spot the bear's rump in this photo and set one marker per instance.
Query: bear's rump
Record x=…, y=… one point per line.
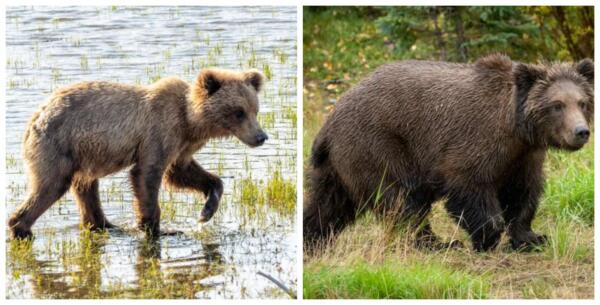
x=366, y=167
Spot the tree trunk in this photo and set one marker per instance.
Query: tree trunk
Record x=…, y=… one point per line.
x=439, y=36
x=563, y=25
x=586, y=41
x=460, y=34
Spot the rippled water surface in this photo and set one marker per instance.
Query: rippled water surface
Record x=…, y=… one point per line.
x=254, y=230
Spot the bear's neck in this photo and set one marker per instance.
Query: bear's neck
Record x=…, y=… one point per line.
x=517, y=124
x=200, y=126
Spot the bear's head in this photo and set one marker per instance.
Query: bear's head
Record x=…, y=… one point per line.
x=226, y=103
x=554, y=103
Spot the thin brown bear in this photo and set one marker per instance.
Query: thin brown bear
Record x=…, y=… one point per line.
x=92, y=129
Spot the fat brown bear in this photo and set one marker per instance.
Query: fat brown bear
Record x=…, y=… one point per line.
x=92, y=129
x=474, y=135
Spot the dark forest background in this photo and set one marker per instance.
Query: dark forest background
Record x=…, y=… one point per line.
x=341, y=42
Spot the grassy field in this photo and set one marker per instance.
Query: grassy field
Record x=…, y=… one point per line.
x=372, y=260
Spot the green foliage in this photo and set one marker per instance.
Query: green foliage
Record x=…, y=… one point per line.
x=341, y=40
x=392, y=280
x=343, y=43
x=468, y=32
x=569, y=28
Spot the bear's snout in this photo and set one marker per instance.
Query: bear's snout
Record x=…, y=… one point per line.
x=582, y=134
x=261, y=137
x=576, y=137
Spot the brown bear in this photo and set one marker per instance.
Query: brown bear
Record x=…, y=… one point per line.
x=92, y=129
x=475, y=135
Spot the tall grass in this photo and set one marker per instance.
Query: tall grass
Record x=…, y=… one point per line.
x=569, y=189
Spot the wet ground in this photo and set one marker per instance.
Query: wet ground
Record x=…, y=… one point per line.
x=254, y=230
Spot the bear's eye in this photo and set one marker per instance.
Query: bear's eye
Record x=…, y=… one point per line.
x=582, y=105
x=558, y=107
x=239, y=114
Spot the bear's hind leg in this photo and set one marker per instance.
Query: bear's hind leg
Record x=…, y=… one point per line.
x=44, y=191
x=88, y=200
x=329, y=208
x=479, y=213
x=414, y=210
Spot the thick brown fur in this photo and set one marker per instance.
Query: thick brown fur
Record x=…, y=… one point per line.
x=92, y=129
x=476, y=135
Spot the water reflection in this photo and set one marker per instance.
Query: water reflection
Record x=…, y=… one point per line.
x=79, y=271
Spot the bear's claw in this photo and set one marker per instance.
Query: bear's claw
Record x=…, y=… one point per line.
x=211, y=206
x=433, y=244
x=531, y=244
x=21, y=234
x=206, y=215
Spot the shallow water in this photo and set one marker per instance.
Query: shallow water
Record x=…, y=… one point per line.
x=48, y=47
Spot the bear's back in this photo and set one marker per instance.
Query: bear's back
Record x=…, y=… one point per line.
x=428, y=112
x=88, y=106
x=414, y=95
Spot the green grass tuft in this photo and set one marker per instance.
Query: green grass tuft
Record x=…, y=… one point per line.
x=569, y=190
x=393, y=280
x=565, y=242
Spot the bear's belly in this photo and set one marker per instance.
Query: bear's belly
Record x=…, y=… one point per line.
x=100, y=167
x=96, y=160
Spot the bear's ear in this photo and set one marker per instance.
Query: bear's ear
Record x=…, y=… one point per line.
x=525, y=77
x=210, y=81
x=254, y=78
x=586, y=68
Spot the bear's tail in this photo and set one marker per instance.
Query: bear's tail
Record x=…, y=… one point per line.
x=328, y=207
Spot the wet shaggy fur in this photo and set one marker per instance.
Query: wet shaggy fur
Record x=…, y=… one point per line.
x=92, y=129
x=475, y=135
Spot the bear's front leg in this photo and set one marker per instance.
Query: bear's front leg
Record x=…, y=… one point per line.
x=519, y=214
x=478, y=212
x=519, y=198
x=188, y=174
x=146, y=180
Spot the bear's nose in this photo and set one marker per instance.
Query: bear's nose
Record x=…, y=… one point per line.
x=261, y=138
x=582, y=133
